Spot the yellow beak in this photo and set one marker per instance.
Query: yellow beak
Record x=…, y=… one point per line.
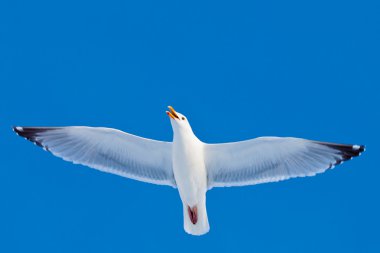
x=172, y=114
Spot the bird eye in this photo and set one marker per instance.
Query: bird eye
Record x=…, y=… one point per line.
x=183, y=118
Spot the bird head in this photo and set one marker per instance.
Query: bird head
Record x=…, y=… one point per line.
x=179, y=121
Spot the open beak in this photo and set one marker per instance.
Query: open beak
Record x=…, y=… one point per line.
x=172, y=114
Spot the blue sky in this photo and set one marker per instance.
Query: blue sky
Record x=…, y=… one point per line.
x=237, y=70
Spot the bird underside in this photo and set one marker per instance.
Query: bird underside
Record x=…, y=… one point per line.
x=193, y=214
x=251, y=162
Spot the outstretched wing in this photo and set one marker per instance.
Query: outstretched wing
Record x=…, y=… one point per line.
x=108, y=150
x=271, y=159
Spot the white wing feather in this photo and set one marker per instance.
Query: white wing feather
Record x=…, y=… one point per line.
x=108, y=150
x=271, y=159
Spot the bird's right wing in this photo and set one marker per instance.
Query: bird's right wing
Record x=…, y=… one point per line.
x=271, y=159
x=108, y=150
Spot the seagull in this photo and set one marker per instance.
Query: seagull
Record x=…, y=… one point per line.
x=188, y=164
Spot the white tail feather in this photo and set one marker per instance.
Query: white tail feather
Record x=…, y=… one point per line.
x=202, y=226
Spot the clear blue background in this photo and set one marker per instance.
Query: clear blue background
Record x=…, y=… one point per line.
x=238, y=70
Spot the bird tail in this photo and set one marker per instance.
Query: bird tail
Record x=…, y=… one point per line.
x=195, y=218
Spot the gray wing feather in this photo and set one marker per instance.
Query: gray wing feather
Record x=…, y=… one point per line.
x=108, y=150
x=271, y=159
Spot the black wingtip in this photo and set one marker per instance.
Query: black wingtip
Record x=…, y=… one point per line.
x=347, y=151
x=29, y=133
x=361, y=148
x=17, y=129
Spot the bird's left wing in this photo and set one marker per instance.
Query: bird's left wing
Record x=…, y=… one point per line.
x=108, y=150
x=271, y=159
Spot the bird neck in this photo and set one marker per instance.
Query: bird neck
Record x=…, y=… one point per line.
x=183, y=135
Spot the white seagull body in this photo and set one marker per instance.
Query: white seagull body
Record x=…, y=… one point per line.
x=187, y=163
